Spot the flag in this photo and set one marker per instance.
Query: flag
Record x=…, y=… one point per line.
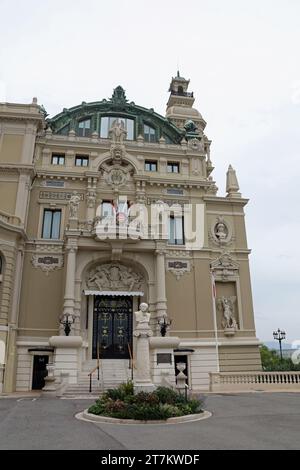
x=214, y=292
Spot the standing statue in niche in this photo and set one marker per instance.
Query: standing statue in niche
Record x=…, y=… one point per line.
x=118, y=132
x=226, y=306
x=73, y=205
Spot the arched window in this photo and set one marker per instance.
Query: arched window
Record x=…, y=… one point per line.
x=107, y=122
x=84, y=128
x=180, y=90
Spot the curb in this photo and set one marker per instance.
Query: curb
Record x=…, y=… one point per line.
x=86, y=416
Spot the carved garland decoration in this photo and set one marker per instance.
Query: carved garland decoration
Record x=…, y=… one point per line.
x=47, y=263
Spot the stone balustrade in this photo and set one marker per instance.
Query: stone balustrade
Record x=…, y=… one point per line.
x=10, y=219
x=234, y=381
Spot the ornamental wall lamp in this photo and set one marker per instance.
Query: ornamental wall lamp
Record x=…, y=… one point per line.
x=67, y=321
x=164, y=324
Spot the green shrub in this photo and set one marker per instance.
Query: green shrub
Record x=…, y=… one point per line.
x=121, y=392
x=149, y=398
x=161, y=404
x=167, y=395
x=97, y=409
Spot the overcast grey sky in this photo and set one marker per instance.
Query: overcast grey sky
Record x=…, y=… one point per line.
x=244, y=64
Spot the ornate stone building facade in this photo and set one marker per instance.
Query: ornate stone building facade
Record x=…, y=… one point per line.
x=60, y=178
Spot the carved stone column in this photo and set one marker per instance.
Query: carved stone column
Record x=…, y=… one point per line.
x=69, y=298
x=143, y=381
x=161, y=300
x=91, y=199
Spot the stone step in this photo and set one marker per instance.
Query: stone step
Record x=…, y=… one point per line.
x=113, y=372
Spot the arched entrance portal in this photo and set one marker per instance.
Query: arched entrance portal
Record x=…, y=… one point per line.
x=113, y=291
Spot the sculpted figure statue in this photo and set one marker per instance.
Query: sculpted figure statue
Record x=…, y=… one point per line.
x=118, y=132
x=142, y=316
x=73, y=204
x=226, y=304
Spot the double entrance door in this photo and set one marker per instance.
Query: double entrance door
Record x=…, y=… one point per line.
x=112, y=326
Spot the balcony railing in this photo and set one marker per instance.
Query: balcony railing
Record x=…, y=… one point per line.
x=10, y=219
x=183, y=93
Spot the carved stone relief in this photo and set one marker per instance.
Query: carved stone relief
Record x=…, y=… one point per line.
x=225, y=268
x=114, y=277
x=47, y=263
x=221, y=232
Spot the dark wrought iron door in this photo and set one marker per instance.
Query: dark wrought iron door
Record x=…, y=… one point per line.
x=39, y=372
x=112, y=326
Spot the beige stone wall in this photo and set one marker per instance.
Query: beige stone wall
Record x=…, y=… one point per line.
x=239, y=358
x=11, y=148
x=8, y=193
x=41, y=300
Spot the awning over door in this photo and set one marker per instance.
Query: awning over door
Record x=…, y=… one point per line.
x=111, y=292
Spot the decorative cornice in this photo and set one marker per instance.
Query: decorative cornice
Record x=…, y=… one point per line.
x=226, y=200
x=17, y=168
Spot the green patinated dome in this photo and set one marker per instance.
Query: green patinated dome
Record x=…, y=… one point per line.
x=88, y=118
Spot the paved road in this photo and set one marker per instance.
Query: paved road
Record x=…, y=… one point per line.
x=245, y=421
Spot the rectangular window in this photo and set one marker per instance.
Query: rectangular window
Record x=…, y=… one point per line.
x=150, y=165
x=173, y=167
x=107, y=209
x=149, y=134
x=81, y=160
x=84, y=128
x=51, y=224
x=58, y=159
x=176, y=231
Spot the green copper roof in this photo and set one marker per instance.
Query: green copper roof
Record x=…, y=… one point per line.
x=117, y=105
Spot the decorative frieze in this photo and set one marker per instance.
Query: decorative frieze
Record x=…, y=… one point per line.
x=169, y=202
x=178, y=267
x=58, y=196
x=47, y=263
x=114, y=277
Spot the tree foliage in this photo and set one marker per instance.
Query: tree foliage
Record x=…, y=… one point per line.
x=271, y=361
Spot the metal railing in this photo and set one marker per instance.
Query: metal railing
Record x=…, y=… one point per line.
x=131, y=361
x=182, y=93
x=97, y=368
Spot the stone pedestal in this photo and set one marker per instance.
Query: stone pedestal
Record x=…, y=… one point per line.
x=181, y=378
x=50, y=387
x=143, y=381
x=229, y=331
x=66, y=356
x=162, y=359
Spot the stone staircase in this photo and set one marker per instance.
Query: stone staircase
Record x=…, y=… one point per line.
x=113, y=372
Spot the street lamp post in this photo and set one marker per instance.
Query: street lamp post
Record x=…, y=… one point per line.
x=279, y=336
